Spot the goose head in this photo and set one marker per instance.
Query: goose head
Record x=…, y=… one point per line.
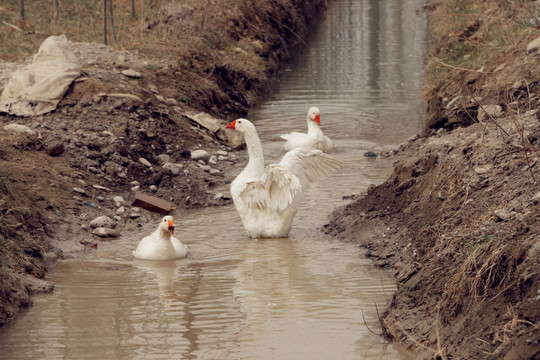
x=314, y=115
x=241, y=125
x=166, y=226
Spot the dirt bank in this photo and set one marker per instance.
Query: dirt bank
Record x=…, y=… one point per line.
x=127, y=123
x=459, y=219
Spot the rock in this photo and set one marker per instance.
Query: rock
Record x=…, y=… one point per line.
x=79, y=190
x=35, y=285
x=205, y=167
x=153, y=188
x=483, y=169
x=200, y=155
x=175, y=170
x=216, y=172
x=171, y=102
x=370, y=154
x=218, y=196
x=119, y=201
x=21, y=129
x=55, y=148
x=131, y=73
x=90, y=204
x=99, y=187
x=145, y=162
x=533, y=45
x=164, y=159
x=485, y=112
x=105, y=232
x=103, y=221
x=503, y=214
x=120, y=210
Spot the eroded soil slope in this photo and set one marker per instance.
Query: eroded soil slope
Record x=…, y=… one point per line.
x=459, y=219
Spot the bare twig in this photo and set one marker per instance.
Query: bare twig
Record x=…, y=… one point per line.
x=12, y=26
x=367, y=327
x=458, y=68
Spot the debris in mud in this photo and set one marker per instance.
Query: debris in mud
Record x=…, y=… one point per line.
x=151, y=203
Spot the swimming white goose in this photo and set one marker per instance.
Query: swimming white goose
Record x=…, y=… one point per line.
x=314, y=139
x=161, y=244
x=266, y=198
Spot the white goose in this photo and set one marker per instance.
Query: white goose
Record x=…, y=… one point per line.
x=161, y=244
x=314, y=139
x=266, y=198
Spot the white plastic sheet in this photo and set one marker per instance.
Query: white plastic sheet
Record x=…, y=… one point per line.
x=37, y=88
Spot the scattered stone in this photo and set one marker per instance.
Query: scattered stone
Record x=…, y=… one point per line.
x=171, y=102
x=370, y=154
x=21, y=129
x=121, y=210
x=119, y=201
x=99, y=187
x=151, y=203
x=441, y=195
x=200, y=155
x=533, y=45
x=79, y=191
x=153, y=188
x=100, y=198
x=55, y=148
x=218, y=196
x=485, y=112
x=175, y=170
x=131, y=73
x=105, y=232
x=164, y=159
x=103, y=221
x=206, y=168
x=216, y=172
x=503, y=214
x=145, y=162
x=35, y=285
x=90, y=204
x=483, y=169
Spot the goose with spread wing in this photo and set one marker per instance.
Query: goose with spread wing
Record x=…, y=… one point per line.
x=314, y=139
x=266, y=197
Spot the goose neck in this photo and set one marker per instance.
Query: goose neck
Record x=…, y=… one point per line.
x=255, y=151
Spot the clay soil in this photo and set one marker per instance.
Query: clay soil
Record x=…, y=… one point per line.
x=457, y=221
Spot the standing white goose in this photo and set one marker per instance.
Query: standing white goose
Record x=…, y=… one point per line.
x=161, y=244
x=266, y=198
x=314, y=139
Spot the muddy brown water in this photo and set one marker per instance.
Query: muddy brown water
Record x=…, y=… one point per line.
x=305, y=297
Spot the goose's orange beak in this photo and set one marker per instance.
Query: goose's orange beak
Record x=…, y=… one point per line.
x=171, y=227
x=318, y=119
x=232, y=125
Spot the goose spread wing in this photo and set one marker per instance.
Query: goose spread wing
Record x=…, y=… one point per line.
x=309, y=165
x=275, y=190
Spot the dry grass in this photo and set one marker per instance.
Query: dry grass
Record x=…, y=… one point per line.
x=83, y=21
x=469, y=33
